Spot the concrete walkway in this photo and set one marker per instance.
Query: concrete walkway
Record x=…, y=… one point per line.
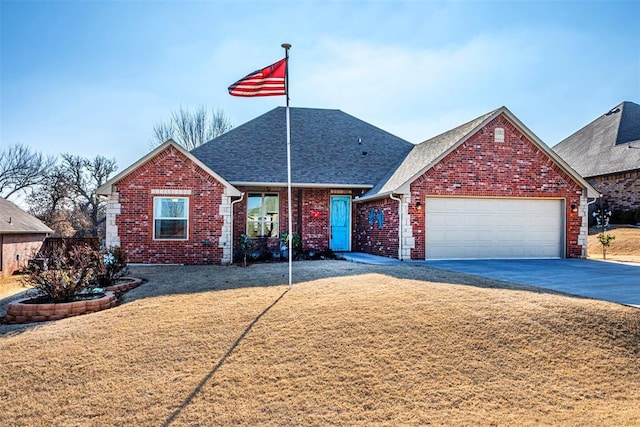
x=607, y=281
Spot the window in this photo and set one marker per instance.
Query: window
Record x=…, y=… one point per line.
x=262, y=215
x=170, y=218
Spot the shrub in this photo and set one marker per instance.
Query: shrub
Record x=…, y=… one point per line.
x=62, y=275
x=114, y=266
x=605, y=240
x=284, y=241
x=245, y=247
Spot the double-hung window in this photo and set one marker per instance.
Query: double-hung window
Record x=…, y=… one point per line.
x=262, y=215
x=171, y=218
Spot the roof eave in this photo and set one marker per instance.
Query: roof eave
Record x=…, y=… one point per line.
x=298, y=184
x=376, y=196
x=50, y=231
x=107, y=188
x=591, y=192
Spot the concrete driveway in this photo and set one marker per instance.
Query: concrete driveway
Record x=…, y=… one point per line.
x=608, y=281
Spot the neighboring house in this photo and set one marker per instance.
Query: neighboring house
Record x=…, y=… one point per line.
x=606, y=152
x=488, y=188
x=21, y=236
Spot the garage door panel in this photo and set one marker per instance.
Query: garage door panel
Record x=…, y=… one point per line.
x=493, y=228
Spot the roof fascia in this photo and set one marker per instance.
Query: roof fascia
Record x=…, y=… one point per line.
x=107, y=188
x=298, y=185
x=404, y=188
x=7, y=232
x=591, y=192
x=376, y=196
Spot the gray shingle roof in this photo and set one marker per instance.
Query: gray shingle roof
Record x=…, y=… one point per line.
x=14, y=220
x=601, y=147
x=327, y=147
x=423, y=154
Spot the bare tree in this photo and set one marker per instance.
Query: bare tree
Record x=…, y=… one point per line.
x=22, y=168
x=83, y=177
x=192, y=128
x=51, y=203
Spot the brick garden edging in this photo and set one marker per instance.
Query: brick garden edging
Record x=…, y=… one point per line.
x=120, y=288
x=21, y=312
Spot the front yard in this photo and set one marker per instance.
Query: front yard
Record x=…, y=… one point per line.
x=350, y=344
x=625, y=247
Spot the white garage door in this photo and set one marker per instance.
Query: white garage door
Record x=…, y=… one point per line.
x=494, y=228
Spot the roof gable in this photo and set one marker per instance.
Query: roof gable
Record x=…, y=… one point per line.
x=14, y=220
x=423, y=155
x=107, y=188
x=602, y=146
x=427, y=154
x=328, y=147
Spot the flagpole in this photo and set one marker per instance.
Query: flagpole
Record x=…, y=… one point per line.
x=286, y=47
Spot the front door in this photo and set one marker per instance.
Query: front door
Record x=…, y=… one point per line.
x=340, y=223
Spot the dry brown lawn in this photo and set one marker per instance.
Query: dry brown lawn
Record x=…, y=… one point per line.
x=625, y=247
x=10, y=286
x=349, y=345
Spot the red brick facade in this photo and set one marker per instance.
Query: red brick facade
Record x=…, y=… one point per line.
x=16, y=250
x=479, y=167
x=311, y=208
x=170, y=173
x=621, y=190
x=375, y=238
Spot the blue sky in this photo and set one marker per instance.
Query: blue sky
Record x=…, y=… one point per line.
x=89, y=77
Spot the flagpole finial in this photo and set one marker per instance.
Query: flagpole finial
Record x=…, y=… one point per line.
x=286, y=45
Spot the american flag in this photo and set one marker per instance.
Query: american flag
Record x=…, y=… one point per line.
x=269, y=81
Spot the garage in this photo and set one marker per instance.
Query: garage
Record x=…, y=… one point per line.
x=463, y=227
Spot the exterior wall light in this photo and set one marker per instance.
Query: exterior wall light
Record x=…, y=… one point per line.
x=419, y=206
x=574, y=208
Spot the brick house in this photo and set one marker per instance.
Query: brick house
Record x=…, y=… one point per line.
x=21, y=237
x=488, y=183
x=606, y=152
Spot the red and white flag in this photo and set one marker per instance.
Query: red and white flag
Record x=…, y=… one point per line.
x=269, y=81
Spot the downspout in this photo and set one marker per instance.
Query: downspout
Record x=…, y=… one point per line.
x=233, y=203
x=399, y=226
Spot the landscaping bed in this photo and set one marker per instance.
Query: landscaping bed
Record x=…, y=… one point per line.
x=41, y=309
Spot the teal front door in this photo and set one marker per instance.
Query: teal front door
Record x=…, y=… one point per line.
x=340, y=223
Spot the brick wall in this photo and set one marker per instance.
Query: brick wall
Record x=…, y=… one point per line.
x=14, y=245
x=373, y=238
x=311, y=214
x=481, y=167
x=621, y=190
x=170, y=171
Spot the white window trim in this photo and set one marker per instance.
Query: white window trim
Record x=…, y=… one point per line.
x=161, y=218
x=262, y=205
